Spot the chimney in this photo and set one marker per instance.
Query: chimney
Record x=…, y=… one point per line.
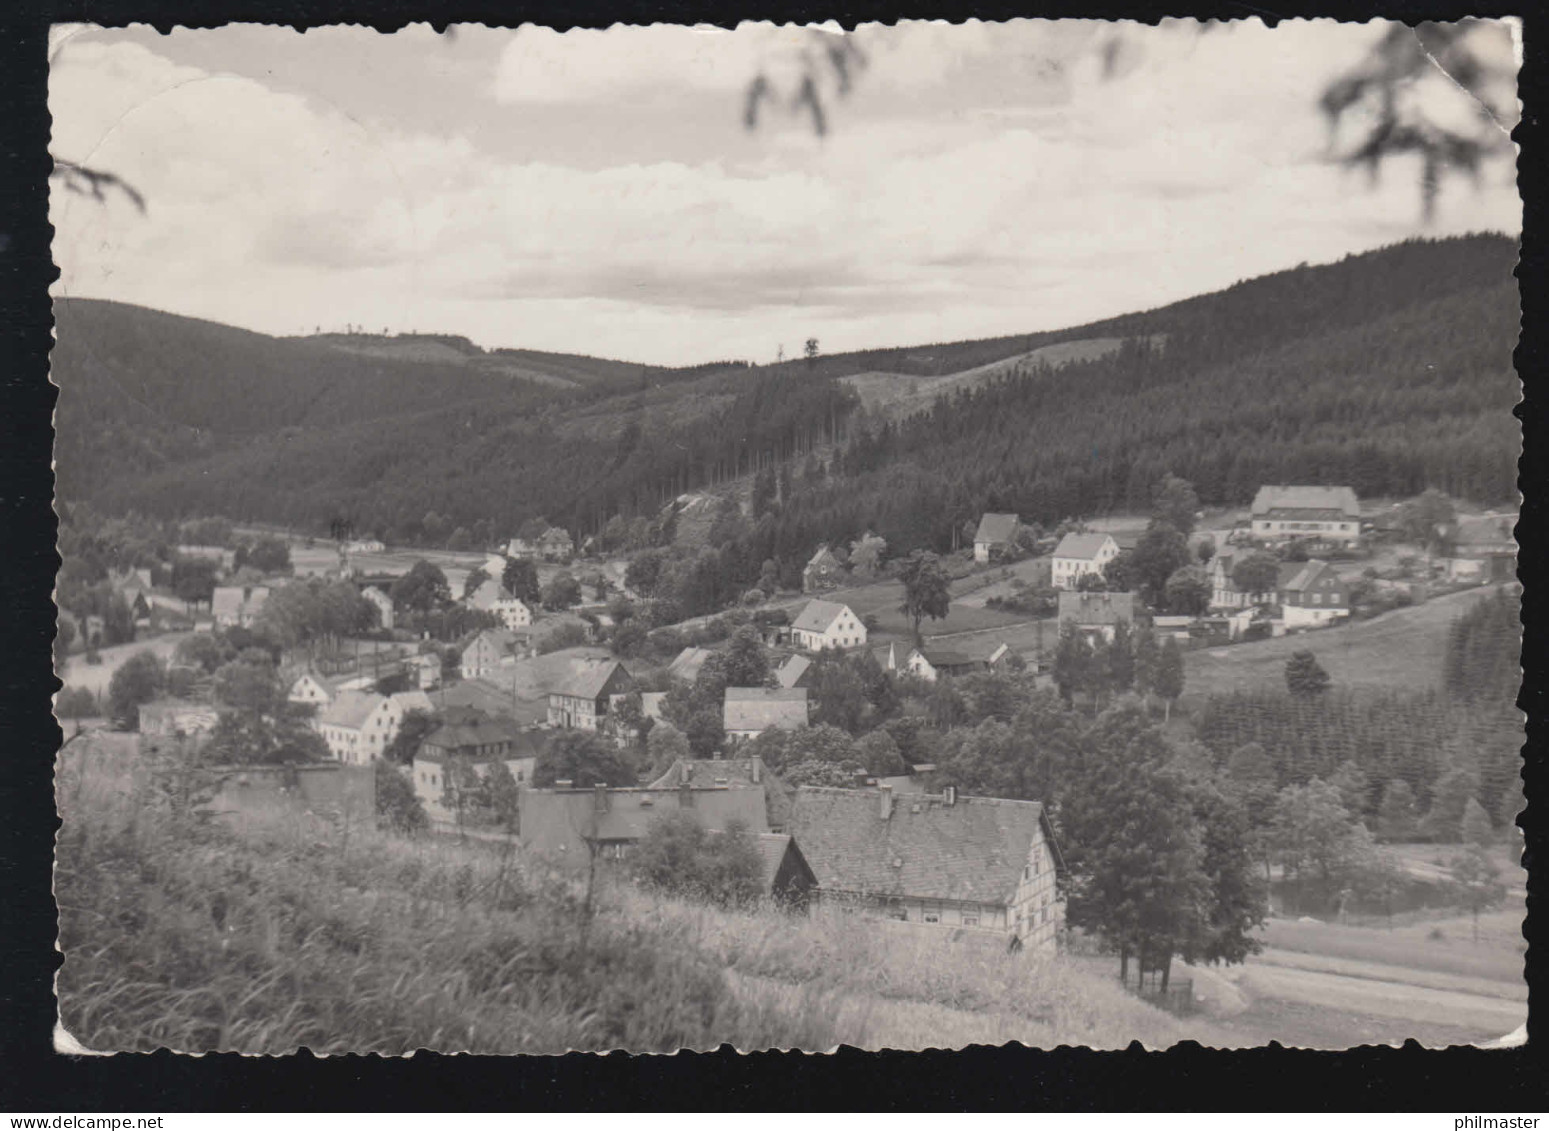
x=887, y=801
x=949, y=795
x=600, y=797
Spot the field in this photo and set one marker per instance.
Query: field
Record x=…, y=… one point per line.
x=277, y=928
x=1400, y=650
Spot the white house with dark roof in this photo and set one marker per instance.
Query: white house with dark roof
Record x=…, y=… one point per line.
x=1325, y=514
x=1482, y=548
x=749, y=711
x=383, y=603
x=827, y=624
x=997, y=534
x=488, y=652
x=309, y=687
x=979, y=863
x=1080, y=554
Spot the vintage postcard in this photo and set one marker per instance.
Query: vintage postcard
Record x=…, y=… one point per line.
x=895, y=536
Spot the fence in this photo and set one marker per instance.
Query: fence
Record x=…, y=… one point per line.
x=1177, y=998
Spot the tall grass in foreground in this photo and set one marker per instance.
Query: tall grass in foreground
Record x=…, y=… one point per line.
x=270, y=929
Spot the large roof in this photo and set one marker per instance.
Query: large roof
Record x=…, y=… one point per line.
x=501, y=639
x=818, y=615
x=1082, y=546
x=478, y=693
x=973, y=850
x=1296, y=576
x=793, y=669
x=822, y=556
x=759, y=708
x=946, y=658
x=413, y=701
x=351, y=708
x=772, y=848
x=468, y=729
x=1484, y=531
x=591, y=682
x=1096, y=608
x=1339, y=500
x=997, y=528
x=733, y=771
x=686, y=664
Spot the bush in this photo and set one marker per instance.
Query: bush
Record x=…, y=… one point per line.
x=678, y=855
x=76, y=703
x=564, y=636
x=397, y=806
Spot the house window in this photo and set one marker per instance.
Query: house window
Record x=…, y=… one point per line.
x=1317, y=598
x=970, y=920
x=931, y=916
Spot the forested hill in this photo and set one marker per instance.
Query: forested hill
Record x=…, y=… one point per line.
x=1390, y=371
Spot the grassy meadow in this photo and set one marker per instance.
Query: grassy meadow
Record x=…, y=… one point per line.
x=276, y=928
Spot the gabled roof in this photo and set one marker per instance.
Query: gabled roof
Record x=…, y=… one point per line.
x=818, y=615
x=793, y=669
x=973, y=850
x=487, y=593
x=822, y=556
x=1081, y=546
x=1088, y=609
x=772, y=850
x=997, y=528
x=478, y=693
x=413, y=701
x=468, y=729
x=1296, y=576
x=592, y=682
x=1486, y=531
x=500, y=639
x=1338, y=499
x=686, y=664
x=778, y=796
x=759, y=708
x=372, y=593
x=945, y=658
x=351, y=709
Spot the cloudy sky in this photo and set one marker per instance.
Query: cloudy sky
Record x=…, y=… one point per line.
x=598, y=192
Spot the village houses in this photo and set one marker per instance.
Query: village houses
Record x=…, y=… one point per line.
x=1481, y=548
x=478, y=739
x=749, y=711
x=383, y=603
x=1311, y=594
x=488, y=652
x=356, y=726
x=969, y=862
x=556, y=545
x=996, y=536
x=490, y=596
x=932, y=663
x=310, y=687
x=822, y=571
x=1323, y=514
x=236, y=606
x=567, y=825
x=586, y=699
x=424, y=669
x=1078, y=555
x=827, y=624
x=750, y=771
x=365, y=546
x=1224, y=593
x=1097, y=614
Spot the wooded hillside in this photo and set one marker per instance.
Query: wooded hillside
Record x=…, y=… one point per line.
x=1389, y=371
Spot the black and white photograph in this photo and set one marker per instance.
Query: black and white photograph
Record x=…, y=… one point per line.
x=901, y=536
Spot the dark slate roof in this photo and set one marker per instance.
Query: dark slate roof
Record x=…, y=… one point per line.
x=972, y=851
x=997, y=528
x=1096, y=608
x=945, y=658
x=469, y=728
x=1337, y=500
x=778, y=796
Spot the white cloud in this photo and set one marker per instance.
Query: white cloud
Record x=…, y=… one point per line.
x=982, y=180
